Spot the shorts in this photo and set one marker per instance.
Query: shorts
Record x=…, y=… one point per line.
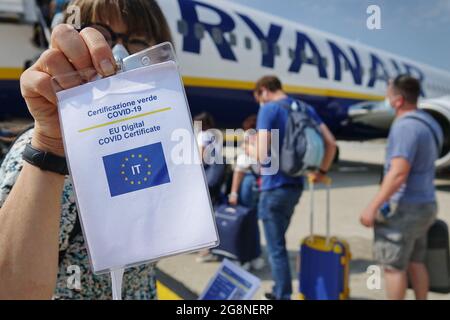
x=401, y=238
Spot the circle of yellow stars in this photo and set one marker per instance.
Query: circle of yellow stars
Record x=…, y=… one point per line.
x=136, y=181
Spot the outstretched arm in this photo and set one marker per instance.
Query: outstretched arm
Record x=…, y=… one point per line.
x=30, y=216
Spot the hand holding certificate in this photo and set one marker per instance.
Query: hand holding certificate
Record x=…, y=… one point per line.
x=137, y=203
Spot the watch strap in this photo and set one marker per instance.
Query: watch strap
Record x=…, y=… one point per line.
x=44, y=160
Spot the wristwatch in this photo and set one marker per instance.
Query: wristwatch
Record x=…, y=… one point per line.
x=45, y=160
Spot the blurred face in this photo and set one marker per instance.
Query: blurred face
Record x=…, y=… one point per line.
x=261, y=96
x=395, y=100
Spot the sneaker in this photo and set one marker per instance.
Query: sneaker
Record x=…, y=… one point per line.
x=258, y=263
x=268, y=296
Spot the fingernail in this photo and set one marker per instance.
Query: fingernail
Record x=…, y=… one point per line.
x=107, y=67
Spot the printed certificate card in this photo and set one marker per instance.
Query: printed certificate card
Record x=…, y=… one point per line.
x=231, y=282
x=139, y=184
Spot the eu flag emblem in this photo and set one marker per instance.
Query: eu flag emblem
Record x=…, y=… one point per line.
x=136, y=169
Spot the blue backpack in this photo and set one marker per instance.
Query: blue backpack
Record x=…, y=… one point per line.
x=303, y=146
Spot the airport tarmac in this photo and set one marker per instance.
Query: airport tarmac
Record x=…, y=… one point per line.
x=355, y=181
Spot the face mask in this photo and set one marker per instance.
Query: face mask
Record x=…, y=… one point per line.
x=119, y=52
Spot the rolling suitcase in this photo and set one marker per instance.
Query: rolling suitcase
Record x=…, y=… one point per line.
x=238, y=233
x=438, y=257
x=324, y=261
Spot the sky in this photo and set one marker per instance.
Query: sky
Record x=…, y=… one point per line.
x=417, y=29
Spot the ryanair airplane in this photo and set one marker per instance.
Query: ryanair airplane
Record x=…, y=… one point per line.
x=224, y=47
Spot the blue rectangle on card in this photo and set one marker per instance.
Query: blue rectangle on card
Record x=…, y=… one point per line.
x=136, y=169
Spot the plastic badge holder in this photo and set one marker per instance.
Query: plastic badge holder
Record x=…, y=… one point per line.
x=136, y=203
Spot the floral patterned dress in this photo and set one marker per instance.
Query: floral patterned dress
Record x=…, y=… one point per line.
x=138, y=282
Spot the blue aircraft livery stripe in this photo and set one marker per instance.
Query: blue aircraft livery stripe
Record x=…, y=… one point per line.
x=136, y=169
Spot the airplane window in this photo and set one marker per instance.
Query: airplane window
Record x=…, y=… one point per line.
x=183, y=27
x=199, y=31
x=303, y=56
x=233, y=40
x=361, y=71
x=217, y=35
x=264, y=47
x=291, y=54
x=381, y=75
x=277, y=50
x=315, y=60
x=346, y=66
x=248, y=43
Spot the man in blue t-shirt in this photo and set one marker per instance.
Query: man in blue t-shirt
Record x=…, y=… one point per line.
x=405, y=207
x=279, y=192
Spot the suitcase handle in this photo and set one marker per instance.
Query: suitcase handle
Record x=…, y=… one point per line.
x=230, y=210
x=327, y=183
